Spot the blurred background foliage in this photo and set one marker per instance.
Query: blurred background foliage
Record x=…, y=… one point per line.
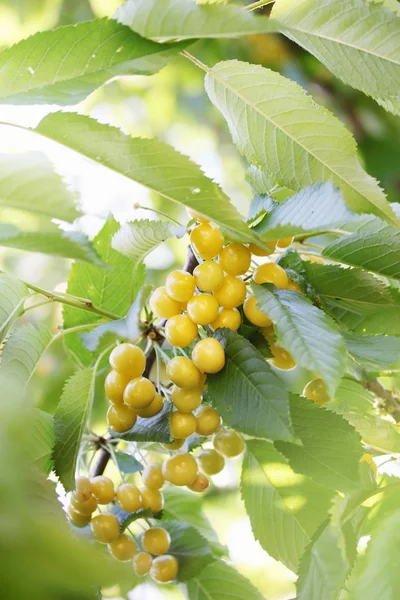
x=172, y=105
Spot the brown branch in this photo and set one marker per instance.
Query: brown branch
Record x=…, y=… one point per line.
x=103, y=455
x=391, y=401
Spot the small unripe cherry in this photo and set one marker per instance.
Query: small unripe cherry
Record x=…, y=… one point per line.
x=180, y=286
x=229, y=318
x=271, y=273
x=180, y=469
x=254, y=314
x=123, y=548
x=162, y=305
x=76, y=518
x=85, y=507
x=235, y=259
x=142, y=563
x=105, y=528
x=152, y=409
x=186, y=401
x=114, y=387
x=207, y=241
x=203, y=309
x=183, y=372
x=180, y=331
x=200, y=484
x=231, y=292
x=103, y=489
x=83, y=488
x=182, y=425
x=152, y=476
x=152, y=499
x=164, y=569
x=229, y=443
x=129, y=498
x=139, y=393
x=209, y=356
x=211, y=461
x=208, y=420
x=121, y=418
x=208, y=276
x=128, y=360
x=156, y=540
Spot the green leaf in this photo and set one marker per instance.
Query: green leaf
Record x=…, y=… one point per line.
x=190, y=548
x=358, y=407
x=12, y=296
x=284, y=508
x=41, y=439
x=22, y=353
x=70, y=422
x=270, y=118
x=383, y=322
x=110, y=289
x=64, y=65
x=54, y=241
x=28, y=182
x=376, y=574
x=154, y=429
x=151, y=163
x=378, y=252
x=305, y=331
x=138, y=238
x=331, y=448
x=375, y=353
x=259, y=205
x=349, y=40
x=184, y=19
x=247, y=394
x=128, y=463
x=220, y=581
x=181, y=505
x=316, y=208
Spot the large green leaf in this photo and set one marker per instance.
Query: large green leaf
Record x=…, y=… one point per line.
x=270, y=119
x=52, y=241
x=110, y=289
x=378, y=252
x=12, y=295
x=190, y=548
x=149, y=162
x=315, y=208
x=330, y=450
x=70, y=422
x=28, y=182
x=311, y=337
x=376, y=352
x=220, y=581
x=285, y=508
x=64, y=65
x=22, y=353
x=153, y=429
x=184, y=19
x=247, y=394
x=349, y=40
x=357, y=406
x=138, y=238
x=41, y=439
x=377, y=574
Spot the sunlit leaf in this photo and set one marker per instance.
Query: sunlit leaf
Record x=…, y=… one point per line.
x=41, y=439
x=219, y=581
x=12, y=295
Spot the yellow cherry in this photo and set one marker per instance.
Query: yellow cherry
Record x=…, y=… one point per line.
x=229, y=443
x=123, y=548
x=284, y=242
x=207, y=241
x=105, y=528
x=231, y=293
x=180, y=469
x=164, y=569
x=211, y=461
x=254, y=315
x=180, y=286
x=114, y=387
x=187, y=400
x=156, y=540
x=152, y=476
x=152, y=499
x=183, y=372
x=182, y=425
x=235, y=259
x=121, y=418
x=180, y=331
x=85, y=507
x=203, y=309
x=200, y=484
x=139, y=393
x=175, y=445
x=316, y=391
x=208, y=355
x=142, y=562
x=76, y=518
x=258, y=251
x=208, y=420
x=152, y=409
x=271, y=273
x=128, y=360
x=83, y=488
x=162, y=305
x=230, y=318
x=208, y=276
x=129, y=498
x=282, y=358
x=103, y=489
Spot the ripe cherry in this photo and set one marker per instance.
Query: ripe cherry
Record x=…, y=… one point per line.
x=152, y=476
x=162, y=305
x=123, y=548
x=77, y=519
x=128, y=360
x=271, y=273
x=231, y=293
x=129, y=498
x=152, y=499
x=164, y=569
x=229, y=443
x=85, y=507
x=208, y=276
x=200, y=484
x=182, y=425
x=114, y=386
x=207, y=241
x=83, y=488
x=316, y=391
x=187, y=400
x=180, y=469
x=105, y=528
x=254, y=314
x=139, y=393
x=183, y=372
x=208, y=355
x=230, y=318
x=284, y=242
x=211, y=461
x=174, y=445
x=282, y=358
x=121, y=418
x=152, y=409
x=203, y=309
x=258, y=251
x=142, y=563
x=180, y=331
x=180, y=286
x=156, y=540
x=235, y=259
x=103, y=489
x=208, y=420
